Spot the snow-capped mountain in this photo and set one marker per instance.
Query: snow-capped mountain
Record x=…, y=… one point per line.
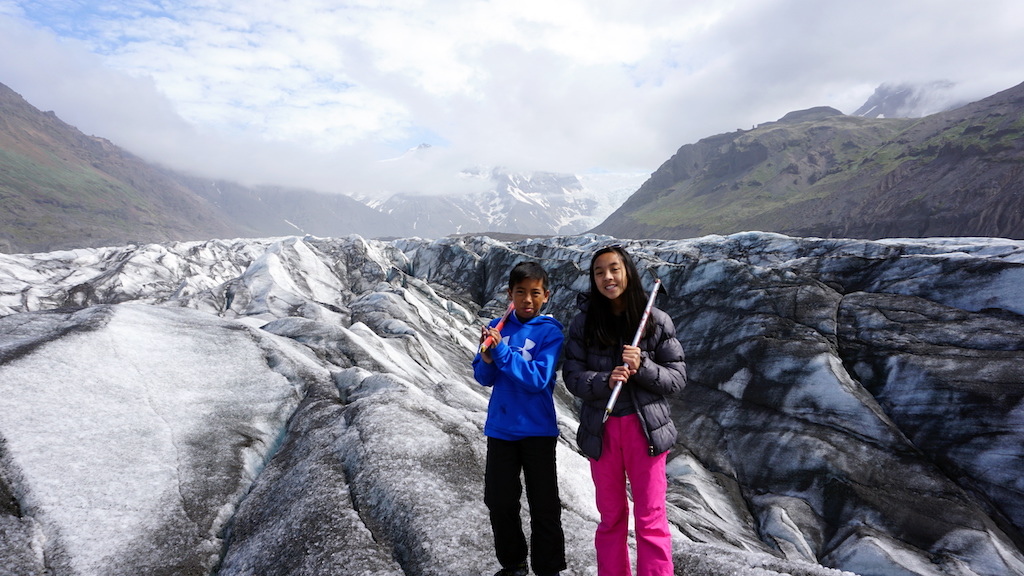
x=304, y=406
x=538, y=203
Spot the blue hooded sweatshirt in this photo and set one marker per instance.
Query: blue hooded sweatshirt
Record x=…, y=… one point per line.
x=522, y=378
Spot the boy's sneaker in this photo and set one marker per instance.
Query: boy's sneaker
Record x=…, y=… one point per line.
x=520, y=570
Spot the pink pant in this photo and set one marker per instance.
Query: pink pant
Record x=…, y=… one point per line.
x=624, y=453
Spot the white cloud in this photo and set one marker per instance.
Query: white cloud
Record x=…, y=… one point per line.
x=313, y=92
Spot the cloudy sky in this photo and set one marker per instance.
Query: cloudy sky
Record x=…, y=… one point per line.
x=327, y=93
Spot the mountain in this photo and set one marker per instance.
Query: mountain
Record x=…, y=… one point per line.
x=818, y=172
x=61, y=189
x=813, y=172
x=281, y=211
x=538, y=203
x=304, y=406
x=907, y=100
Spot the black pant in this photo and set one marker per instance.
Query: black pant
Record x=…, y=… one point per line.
x=535, y=458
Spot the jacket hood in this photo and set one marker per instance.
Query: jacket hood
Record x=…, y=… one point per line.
x=583, y=301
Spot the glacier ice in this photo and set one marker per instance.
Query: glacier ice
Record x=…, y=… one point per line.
x=305, y=405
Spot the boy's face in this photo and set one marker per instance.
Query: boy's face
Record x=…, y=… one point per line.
x=529, y=295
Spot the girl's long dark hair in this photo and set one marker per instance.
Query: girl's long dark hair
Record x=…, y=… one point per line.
x=599, y=327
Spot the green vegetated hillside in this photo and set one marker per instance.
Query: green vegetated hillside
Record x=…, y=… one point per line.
x=818, y=172
x=814, y=172
x=62, y=189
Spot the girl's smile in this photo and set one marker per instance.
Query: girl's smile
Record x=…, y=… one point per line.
x=610, y=278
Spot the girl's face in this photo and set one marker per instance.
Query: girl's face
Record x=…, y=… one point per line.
x=610, y=276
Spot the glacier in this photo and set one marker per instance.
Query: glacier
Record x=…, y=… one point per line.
x=303, y=405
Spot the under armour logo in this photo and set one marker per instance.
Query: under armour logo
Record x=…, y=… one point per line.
x=525, y=350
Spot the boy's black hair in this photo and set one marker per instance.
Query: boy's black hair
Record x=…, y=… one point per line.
x=598, y=329
x=527, y=271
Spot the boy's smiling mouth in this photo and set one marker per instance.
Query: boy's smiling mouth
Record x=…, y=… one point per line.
x=526, y=312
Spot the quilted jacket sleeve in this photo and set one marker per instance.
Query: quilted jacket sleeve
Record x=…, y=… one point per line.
x=663, y=370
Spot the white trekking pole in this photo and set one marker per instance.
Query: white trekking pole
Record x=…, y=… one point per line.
x=636, y=340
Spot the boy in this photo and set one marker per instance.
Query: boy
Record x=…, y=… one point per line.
x=521, y=427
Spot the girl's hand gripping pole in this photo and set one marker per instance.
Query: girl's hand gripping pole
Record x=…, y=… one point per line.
x=636, y=340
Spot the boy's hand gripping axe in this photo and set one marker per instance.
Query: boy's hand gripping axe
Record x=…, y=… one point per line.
x=501, y=323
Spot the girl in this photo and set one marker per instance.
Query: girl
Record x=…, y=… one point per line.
x=635, y=440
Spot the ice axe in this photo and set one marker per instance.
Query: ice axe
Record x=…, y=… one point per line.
x=501, y=323
x=636, y=340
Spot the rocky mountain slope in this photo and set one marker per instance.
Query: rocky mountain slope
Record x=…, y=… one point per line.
x=815, y=172
x=280, y=211
x=910, y=100
x=305, y=406
x=62, y=189
x=818, y=172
